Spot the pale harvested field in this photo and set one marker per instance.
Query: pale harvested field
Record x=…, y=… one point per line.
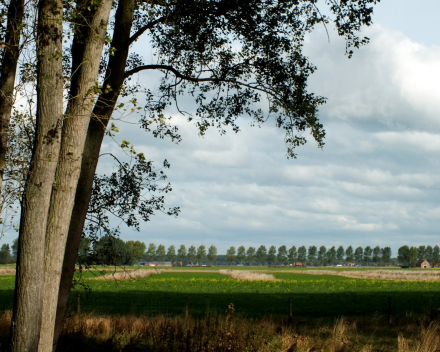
x=7, y=271
x=247, y=275
x=402, y=274
x=130, y=274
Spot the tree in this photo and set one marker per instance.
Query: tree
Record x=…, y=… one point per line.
x=403, y=255
x=413, y=255
x=386, y=255
x=171, y=253
x=429, y=254
x=368, y=252
x=421, y=252
x=181, y=253
x=311, y=255
x=150, y=254
x=436, y=255
x=6, y=247
x=349, y=255
x=192, y=254
x=340, y=253
x=110, y=250
x=376, y=254
x=85, y=251
x=241, y=254
x=12, y=38
x=293, y=255
x=14, y=249
x=5, y=254
x=261, y=254
x=282, y=255
x=186, y=36
x=331, y=255
x=161, y=253
x=272, y=255
x=201, y=254
x=321, y=255
x=302, y=253
x=230, y=254
x=135, y=251
x=212, y=254
x=359, y=254
x=250, y=255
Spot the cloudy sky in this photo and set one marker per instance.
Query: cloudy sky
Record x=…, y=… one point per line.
x=376, y=182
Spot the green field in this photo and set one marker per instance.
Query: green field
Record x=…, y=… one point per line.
x=312, y=295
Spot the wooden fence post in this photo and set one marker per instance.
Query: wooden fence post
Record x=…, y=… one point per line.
x=389, y=310
x=290, y=311
x=78, y=302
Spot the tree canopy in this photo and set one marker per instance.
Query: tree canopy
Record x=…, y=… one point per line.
x=230, y=57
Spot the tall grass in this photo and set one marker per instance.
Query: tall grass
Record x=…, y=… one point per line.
x=427, y=341
x=226, y=332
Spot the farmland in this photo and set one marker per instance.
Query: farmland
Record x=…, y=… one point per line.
x=174, y=292
x=182, y=308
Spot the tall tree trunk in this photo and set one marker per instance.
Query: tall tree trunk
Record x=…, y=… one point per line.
x=26, y=319
x=74, y=133
x=95, y=134
x=8, y=72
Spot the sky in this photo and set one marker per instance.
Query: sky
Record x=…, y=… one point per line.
x=375, y=182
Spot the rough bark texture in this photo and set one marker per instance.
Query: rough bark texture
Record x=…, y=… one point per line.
x=8, y=72
x=26, y=319
x=95, y=134
x=74, y=133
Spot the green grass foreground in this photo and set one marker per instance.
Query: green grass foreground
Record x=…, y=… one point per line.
x=174, y=293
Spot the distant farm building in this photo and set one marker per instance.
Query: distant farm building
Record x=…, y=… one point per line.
x=351, y=264
x=423, y=263
x=300, y=264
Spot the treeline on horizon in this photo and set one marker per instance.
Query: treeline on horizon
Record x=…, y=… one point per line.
x=115, y=251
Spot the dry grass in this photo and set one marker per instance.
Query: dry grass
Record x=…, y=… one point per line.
x=403, y=275
x=220, y=333
x=7, y=271
x=427, y=341
x=130, y=274
x=247, y=275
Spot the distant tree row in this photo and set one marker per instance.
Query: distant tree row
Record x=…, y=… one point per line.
x=114, y=251
x=272, y=256
x=191, y=255
x=410, y=255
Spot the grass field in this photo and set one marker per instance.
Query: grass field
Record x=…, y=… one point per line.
x=182, y=309
x=172, y=293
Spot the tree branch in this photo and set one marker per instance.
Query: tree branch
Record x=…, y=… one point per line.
x=195, y=79
x=143, y=29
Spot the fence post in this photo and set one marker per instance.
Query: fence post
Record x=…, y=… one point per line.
x=186, y=308
x=389, y=310
x=290, y=310
x=78, y=302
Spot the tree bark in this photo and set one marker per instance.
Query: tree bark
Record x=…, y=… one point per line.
x=74, y=133
x=95, y=134
x=26, y=319
x=8, y=72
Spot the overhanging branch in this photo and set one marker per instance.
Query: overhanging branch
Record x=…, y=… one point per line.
x=196, y=79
